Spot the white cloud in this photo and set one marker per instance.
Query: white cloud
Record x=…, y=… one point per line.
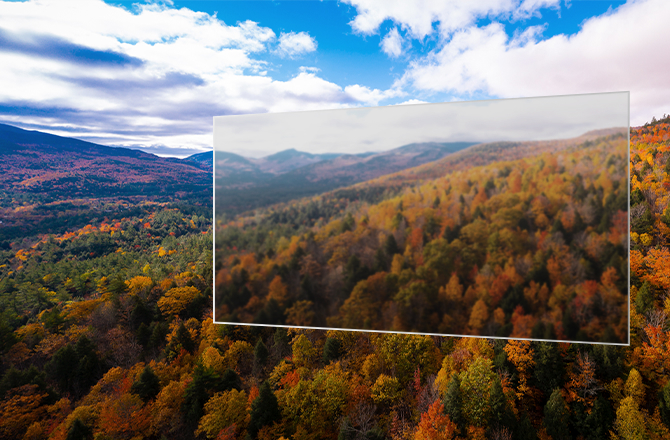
x=153, y=74
x=618, y=51
x=392, y=43
x=412, y=101
x=294, y=44
x=369, y=96
x=418, y=16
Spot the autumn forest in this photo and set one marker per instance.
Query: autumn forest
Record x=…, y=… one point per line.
x=107, y=330
x=532, y=247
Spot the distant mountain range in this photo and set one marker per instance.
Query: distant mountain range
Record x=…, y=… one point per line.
x=244, y=183
x=60, y=168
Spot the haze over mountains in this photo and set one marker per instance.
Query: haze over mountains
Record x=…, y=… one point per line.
x=244, y=183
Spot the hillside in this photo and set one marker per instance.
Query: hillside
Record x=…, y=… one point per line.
x=51, y=183
x=485, y=250
x=41, y=163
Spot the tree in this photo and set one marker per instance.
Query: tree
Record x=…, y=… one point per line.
x=501, y=414
x=548, y=371
x=205, y=382
x=331, y=350
x=79, y=431
x=264, y=411
x=260, y=353
x=147, y=386
x=664, y=402
x=225, y=409
x=556, y=415
x=630, y=422
x=476, y=384
x=453, y=402
x=435, y=425
x=181, y=340
x=177, y=299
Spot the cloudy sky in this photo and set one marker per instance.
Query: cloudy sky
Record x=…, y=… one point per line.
x=152, y=75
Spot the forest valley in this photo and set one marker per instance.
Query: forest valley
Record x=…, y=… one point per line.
x=107, y=330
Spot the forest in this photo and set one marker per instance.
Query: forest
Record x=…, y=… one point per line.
x=530, y=248
x=107, y=333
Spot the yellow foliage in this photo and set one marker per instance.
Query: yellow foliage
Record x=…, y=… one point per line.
x=166, y=410
x=223, y=410
x=630, y=421
x=303, y=351
x=139, y=285
x=176, y=300
x=232, y=356
x=634, y=387
x=386, y=390
x=211, y=358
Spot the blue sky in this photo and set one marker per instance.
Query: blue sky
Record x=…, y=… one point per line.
x=152, y=75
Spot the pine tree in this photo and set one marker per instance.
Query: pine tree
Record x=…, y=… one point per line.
x=79, y=431
x=264, y=411
x=331, y=350
x=556, y=416
x=501, y=411
x=525, y=429
x=548, y=371
x=260, y=353
x=147, y=386
x=453, y=403
x=664, y=403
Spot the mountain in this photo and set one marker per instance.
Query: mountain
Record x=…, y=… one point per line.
x=205, y=159
x=53, y=183
x=292, y=174
x=486, y=153
x=61, y=167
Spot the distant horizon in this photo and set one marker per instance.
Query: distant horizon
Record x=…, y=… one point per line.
x=377, y=129
x=148, y=150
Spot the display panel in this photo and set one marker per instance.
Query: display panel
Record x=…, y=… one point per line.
x=499, y=218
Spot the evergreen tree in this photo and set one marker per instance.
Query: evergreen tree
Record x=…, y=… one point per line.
x=391, y=246
x=264, y=411
x=556, y=416
x=183, y=340
x=601, y=420
x=260, y=353
x=644, y=300
x=158, y=332
x=204, y=383
x=79, y=431
x=453, y=402
x=147, y=386
x=230, y=380
x=664, y=403
x=501, y=415
x=548, y=371
x=331, y=350
x=63, y=366
x=525, y=429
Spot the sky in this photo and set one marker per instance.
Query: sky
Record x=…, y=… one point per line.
x=152, y=75
x=373, y=129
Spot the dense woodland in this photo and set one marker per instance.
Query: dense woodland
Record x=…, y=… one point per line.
x=534, y=247
x=107, y=333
